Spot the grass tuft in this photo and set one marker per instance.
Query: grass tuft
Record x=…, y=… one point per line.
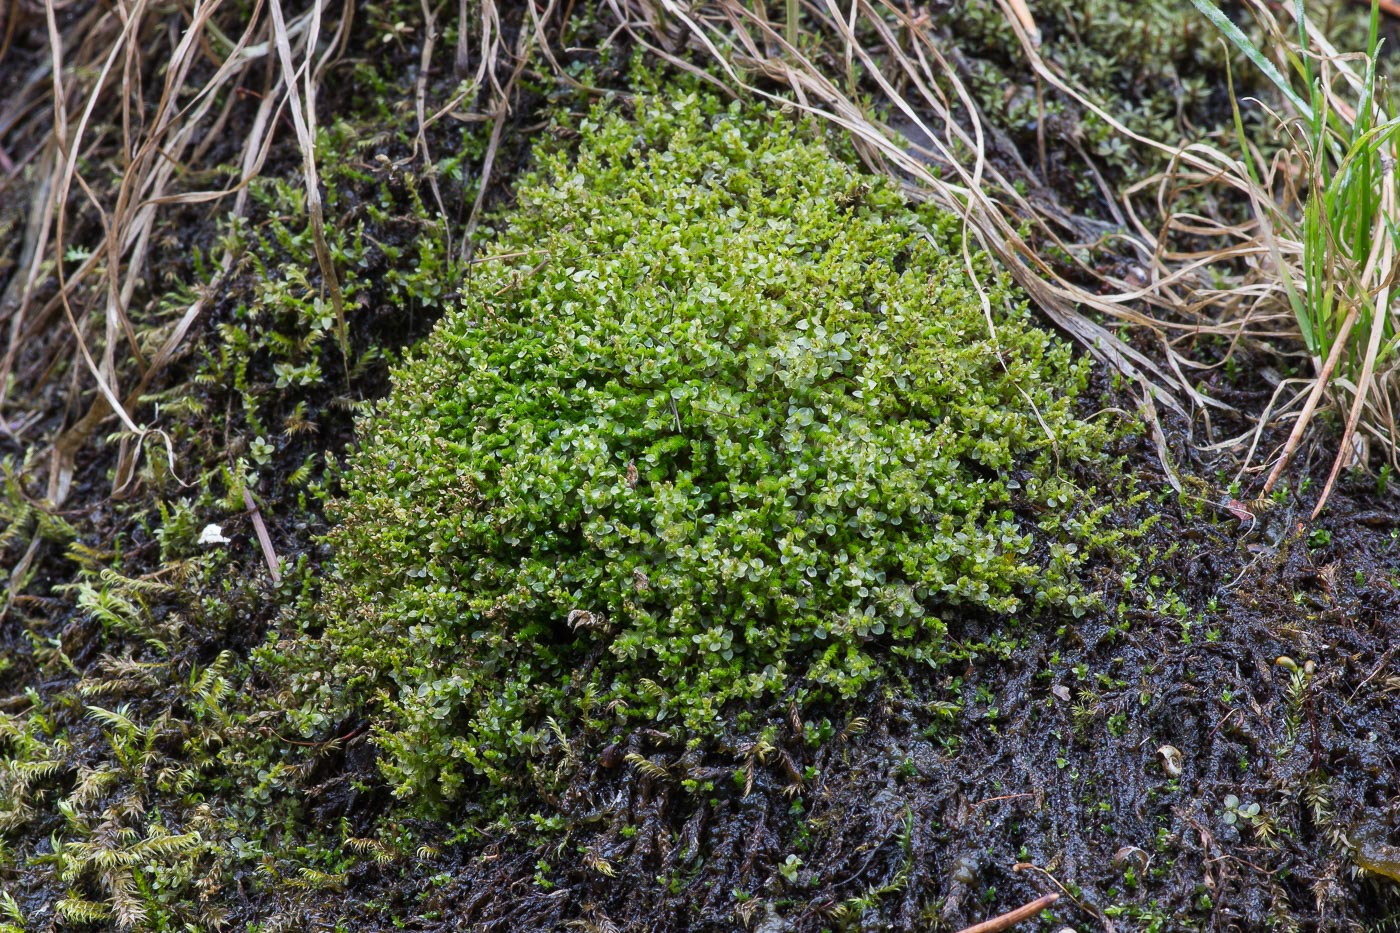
x=1328, y=215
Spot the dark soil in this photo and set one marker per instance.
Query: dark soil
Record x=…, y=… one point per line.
x=967, y=793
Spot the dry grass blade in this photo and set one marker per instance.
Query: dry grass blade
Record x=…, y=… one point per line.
x=264, y=539
x=303, y=108
x=1314, y=395
x=1027, y=21
x=420, y=95
x=115, y=125
x=67, y=169
x=102, y=64
x=501, y=108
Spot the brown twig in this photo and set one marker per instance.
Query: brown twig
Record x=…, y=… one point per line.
x=1324, y=379
x=1002, y=797
x=1088, y=909
x=1012, y=917
x=264, y=539
x=352, y=734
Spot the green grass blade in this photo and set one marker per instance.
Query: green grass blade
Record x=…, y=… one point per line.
x=1254, y=54
x=1295, y=301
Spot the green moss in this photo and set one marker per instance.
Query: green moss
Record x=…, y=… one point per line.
x=720, y=420
x=135, y=782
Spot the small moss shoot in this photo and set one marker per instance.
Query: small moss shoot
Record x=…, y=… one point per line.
x=721, y=422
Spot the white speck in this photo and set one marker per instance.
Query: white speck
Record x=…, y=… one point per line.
x=213, y=534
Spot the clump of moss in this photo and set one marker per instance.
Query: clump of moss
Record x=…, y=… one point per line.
x=720, y=420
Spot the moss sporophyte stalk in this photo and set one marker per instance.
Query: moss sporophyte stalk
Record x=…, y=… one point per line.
x=706, y=430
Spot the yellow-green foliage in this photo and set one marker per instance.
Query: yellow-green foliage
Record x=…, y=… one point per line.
x=720, y=420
